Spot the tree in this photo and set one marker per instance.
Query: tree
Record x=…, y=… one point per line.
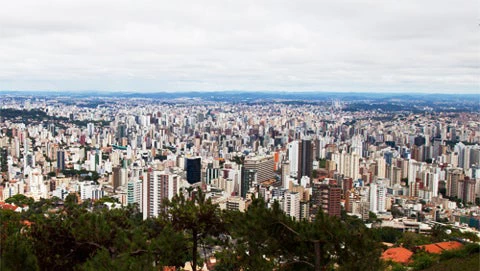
x=397, y=212
x=255, y=241
x=265, y=239
x=372, y=218
x=387, y=234
x=438, y=233
x=20, y=200
x=197, y=216
x=15, y=250
x=322, y=163
x=410, y=240
x=17, y=254
x=423, y=260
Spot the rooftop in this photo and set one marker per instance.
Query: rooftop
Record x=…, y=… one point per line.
x=438, y=248
x=397, y=254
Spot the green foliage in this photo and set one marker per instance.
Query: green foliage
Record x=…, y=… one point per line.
x=322, y=163
x=197, y=217
x=359, y=249
x=86, y=237
x=423, y=260
x=397, y=212
x=161, y=157
x=84, y=174
x=471, y=263
x=464, y=252
x=396, y=266
x=15, y=250
x=472, y=248
x=439, y=234
x=17, y=254
x=20, y=200
x=239, y=160
x=80, y=239
x=255, y=242
x=465, y=259
x=410, y=240
x=387, y=234
x=267, y=239
x=372, y=218
x=105, y=199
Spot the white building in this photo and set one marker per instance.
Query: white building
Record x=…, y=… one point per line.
x=293, y=158
x=159, y=186
x=292, y=204
x=378, y=195
x=135, y=193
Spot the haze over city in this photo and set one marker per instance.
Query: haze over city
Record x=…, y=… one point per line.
x=150, y=46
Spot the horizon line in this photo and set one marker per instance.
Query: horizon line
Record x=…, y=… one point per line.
x=248, y=90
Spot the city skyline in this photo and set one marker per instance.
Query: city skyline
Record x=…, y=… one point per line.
x=382, y=167
x=367, y=46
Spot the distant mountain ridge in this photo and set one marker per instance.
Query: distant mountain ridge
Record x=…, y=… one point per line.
x=237, y=96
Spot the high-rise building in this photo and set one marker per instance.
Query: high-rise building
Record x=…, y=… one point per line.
x=121, y=131
x=292, y=204
x=90, y=129
x=211, y=174
x=285, y=174
x=117, y=177
x=193, y=166
x=304, y=210
x=378, y=194
x=437, y=147
x=327, y=198
x=249, y=178
x=4, y=160
x=159, y=186
x=135, y=193
x=88, y=190
x=305, y=158
x=466, y=190
x=453, y=176
x=263, y=165
x=61, y=160
x=236, y=204
x=293, y=158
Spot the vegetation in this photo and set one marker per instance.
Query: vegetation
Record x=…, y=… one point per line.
x=470, y=263
x=36, y=115
x=466, y=258
x=322, y=162
x=66, y=235
x=84, y=174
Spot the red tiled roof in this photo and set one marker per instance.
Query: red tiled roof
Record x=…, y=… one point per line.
x=7, y=206
x=450, y=245
x=438, y=248
x=432, y=248
x=397, y=254
x=26, y=223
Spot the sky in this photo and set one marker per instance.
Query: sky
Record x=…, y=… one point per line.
x=154, y=46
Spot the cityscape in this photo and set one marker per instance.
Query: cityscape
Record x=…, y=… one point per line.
x=224, y=135
x=407, y=162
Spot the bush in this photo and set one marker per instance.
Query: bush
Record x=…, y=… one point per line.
x=423, y=260
x=464, y=252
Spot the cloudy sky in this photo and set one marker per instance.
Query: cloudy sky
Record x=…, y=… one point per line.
x=357, y=45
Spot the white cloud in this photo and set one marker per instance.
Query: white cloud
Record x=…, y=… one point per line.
x=253, y=45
